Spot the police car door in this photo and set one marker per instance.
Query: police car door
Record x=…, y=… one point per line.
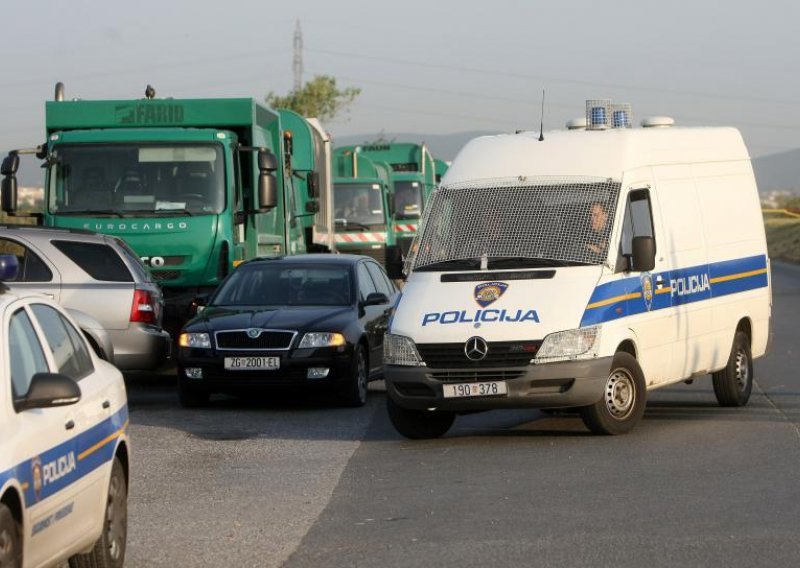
x=649, y=315
x=44, y=438
x=93, y=430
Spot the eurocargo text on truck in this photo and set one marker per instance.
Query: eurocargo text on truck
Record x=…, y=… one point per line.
x=581, y=269
x=193, y=185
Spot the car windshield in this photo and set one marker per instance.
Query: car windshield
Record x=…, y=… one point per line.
x=556, y=221
x=407, y=199
x=276, y=284
x=357, y=204
x=136, y=180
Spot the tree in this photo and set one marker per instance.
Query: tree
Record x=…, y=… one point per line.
x=319, y=98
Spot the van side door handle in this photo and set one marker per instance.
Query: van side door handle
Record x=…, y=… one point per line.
x=70, y=425
x=106, y=404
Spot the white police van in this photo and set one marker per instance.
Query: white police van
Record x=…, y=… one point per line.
x=580, y=269
x=64, y=446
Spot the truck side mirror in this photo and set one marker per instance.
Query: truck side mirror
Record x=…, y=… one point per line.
x=10, y=165
x=9, y=198
x=312, y=206
x=267, y=183
x=313, y=185
x=643, y=257
x=394, y=262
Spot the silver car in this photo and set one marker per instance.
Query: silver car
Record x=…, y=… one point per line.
x=100, y=276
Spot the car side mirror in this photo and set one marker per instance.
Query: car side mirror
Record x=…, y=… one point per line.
x=376, y=299
x=49, y=390
x=643, y=255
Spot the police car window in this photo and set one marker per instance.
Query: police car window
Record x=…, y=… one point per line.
x=365, y=283
x=25, y=353
x=377, y=278
x=69, y=349
x=31, y=267
x=99, y=261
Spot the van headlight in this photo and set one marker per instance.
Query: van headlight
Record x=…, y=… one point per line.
x=581, y=343
x=400, y=350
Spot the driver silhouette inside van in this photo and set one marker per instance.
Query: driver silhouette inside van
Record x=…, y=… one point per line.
x=598, y=223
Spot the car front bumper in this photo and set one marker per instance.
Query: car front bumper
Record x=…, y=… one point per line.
x=548, y=385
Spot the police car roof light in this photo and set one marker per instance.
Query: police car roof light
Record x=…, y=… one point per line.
x=8, y=267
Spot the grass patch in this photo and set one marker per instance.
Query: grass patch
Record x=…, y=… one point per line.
x=783, y=237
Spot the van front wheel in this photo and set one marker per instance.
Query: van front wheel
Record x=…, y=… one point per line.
x=623, y=401
x=419, y=424
x=733, y=384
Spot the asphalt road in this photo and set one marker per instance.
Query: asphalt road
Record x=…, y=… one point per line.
x=297, y=482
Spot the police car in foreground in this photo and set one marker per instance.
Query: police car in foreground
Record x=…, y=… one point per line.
x=64, y=444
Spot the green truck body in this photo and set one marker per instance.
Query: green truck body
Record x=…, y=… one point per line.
x=178, y=180
x=362, y=201
x=413, y=178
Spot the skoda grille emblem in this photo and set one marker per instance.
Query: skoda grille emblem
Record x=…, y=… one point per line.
x=253, y=333
x=475, y=348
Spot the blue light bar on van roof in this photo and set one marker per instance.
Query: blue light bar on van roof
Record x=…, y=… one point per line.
x=8, y=267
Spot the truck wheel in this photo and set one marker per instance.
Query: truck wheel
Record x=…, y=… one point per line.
x=10, y=543
x=189, y=395
x=354, y=391
x=419, y=424
x=623, y=401
x=109, y=550
x=733, y=384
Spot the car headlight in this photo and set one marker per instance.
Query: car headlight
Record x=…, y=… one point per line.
x=400, y=350
x=581, y=343
x=322, y=339
x=195, y=340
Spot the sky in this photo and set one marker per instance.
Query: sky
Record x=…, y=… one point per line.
x=425, y=67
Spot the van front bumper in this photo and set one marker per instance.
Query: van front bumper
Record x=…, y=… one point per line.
x=547, y=385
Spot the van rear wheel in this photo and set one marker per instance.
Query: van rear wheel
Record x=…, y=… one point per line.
x=733, y=384
x=419, y=424
x=623, y=401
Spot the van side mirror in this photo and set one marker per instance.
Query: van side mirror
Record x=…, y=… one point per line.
x=394, y=262
x=376, y=299
x=643, y=257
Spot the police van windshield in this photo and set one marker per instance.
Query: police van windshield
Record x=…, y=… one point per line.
x=137, y=179
x=357, y=205
x=510, y=224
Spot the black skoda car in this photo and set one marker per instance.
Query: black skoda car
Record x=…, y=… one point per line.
x=309, y=320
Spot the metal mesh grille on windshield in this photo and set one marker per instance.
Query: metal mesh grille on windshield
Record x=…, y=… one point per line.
x=552, y=218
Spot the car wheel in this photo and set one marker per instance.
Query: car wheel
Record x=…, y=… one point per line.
x=109, y=550
x=733, y=384
x=623, y=401
x=419, y=424
x=10, y=542
x=354, y=391
x=189, y=395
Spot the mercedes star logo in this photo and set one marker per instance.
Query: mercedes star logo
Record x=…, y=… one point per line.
x=253, y=333
x=475, y=348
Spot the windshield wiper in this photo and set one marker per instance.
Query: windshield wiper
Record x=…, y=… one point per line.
x=355, y=224
x=168, y=212
x=92, y=212
x=452, y=264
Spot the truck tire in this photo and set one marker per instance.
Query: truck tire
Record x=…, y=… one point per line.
x=189, y=395
x=109, y=550
x=623, y=401
x=354, y=390
x=419, y=424
x=10, y=542
x=733, y=384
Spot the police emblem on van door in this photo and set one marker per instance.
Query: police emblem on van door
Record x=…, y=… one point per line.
x=647, y=290
x=36, y=475
x=488, y=292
